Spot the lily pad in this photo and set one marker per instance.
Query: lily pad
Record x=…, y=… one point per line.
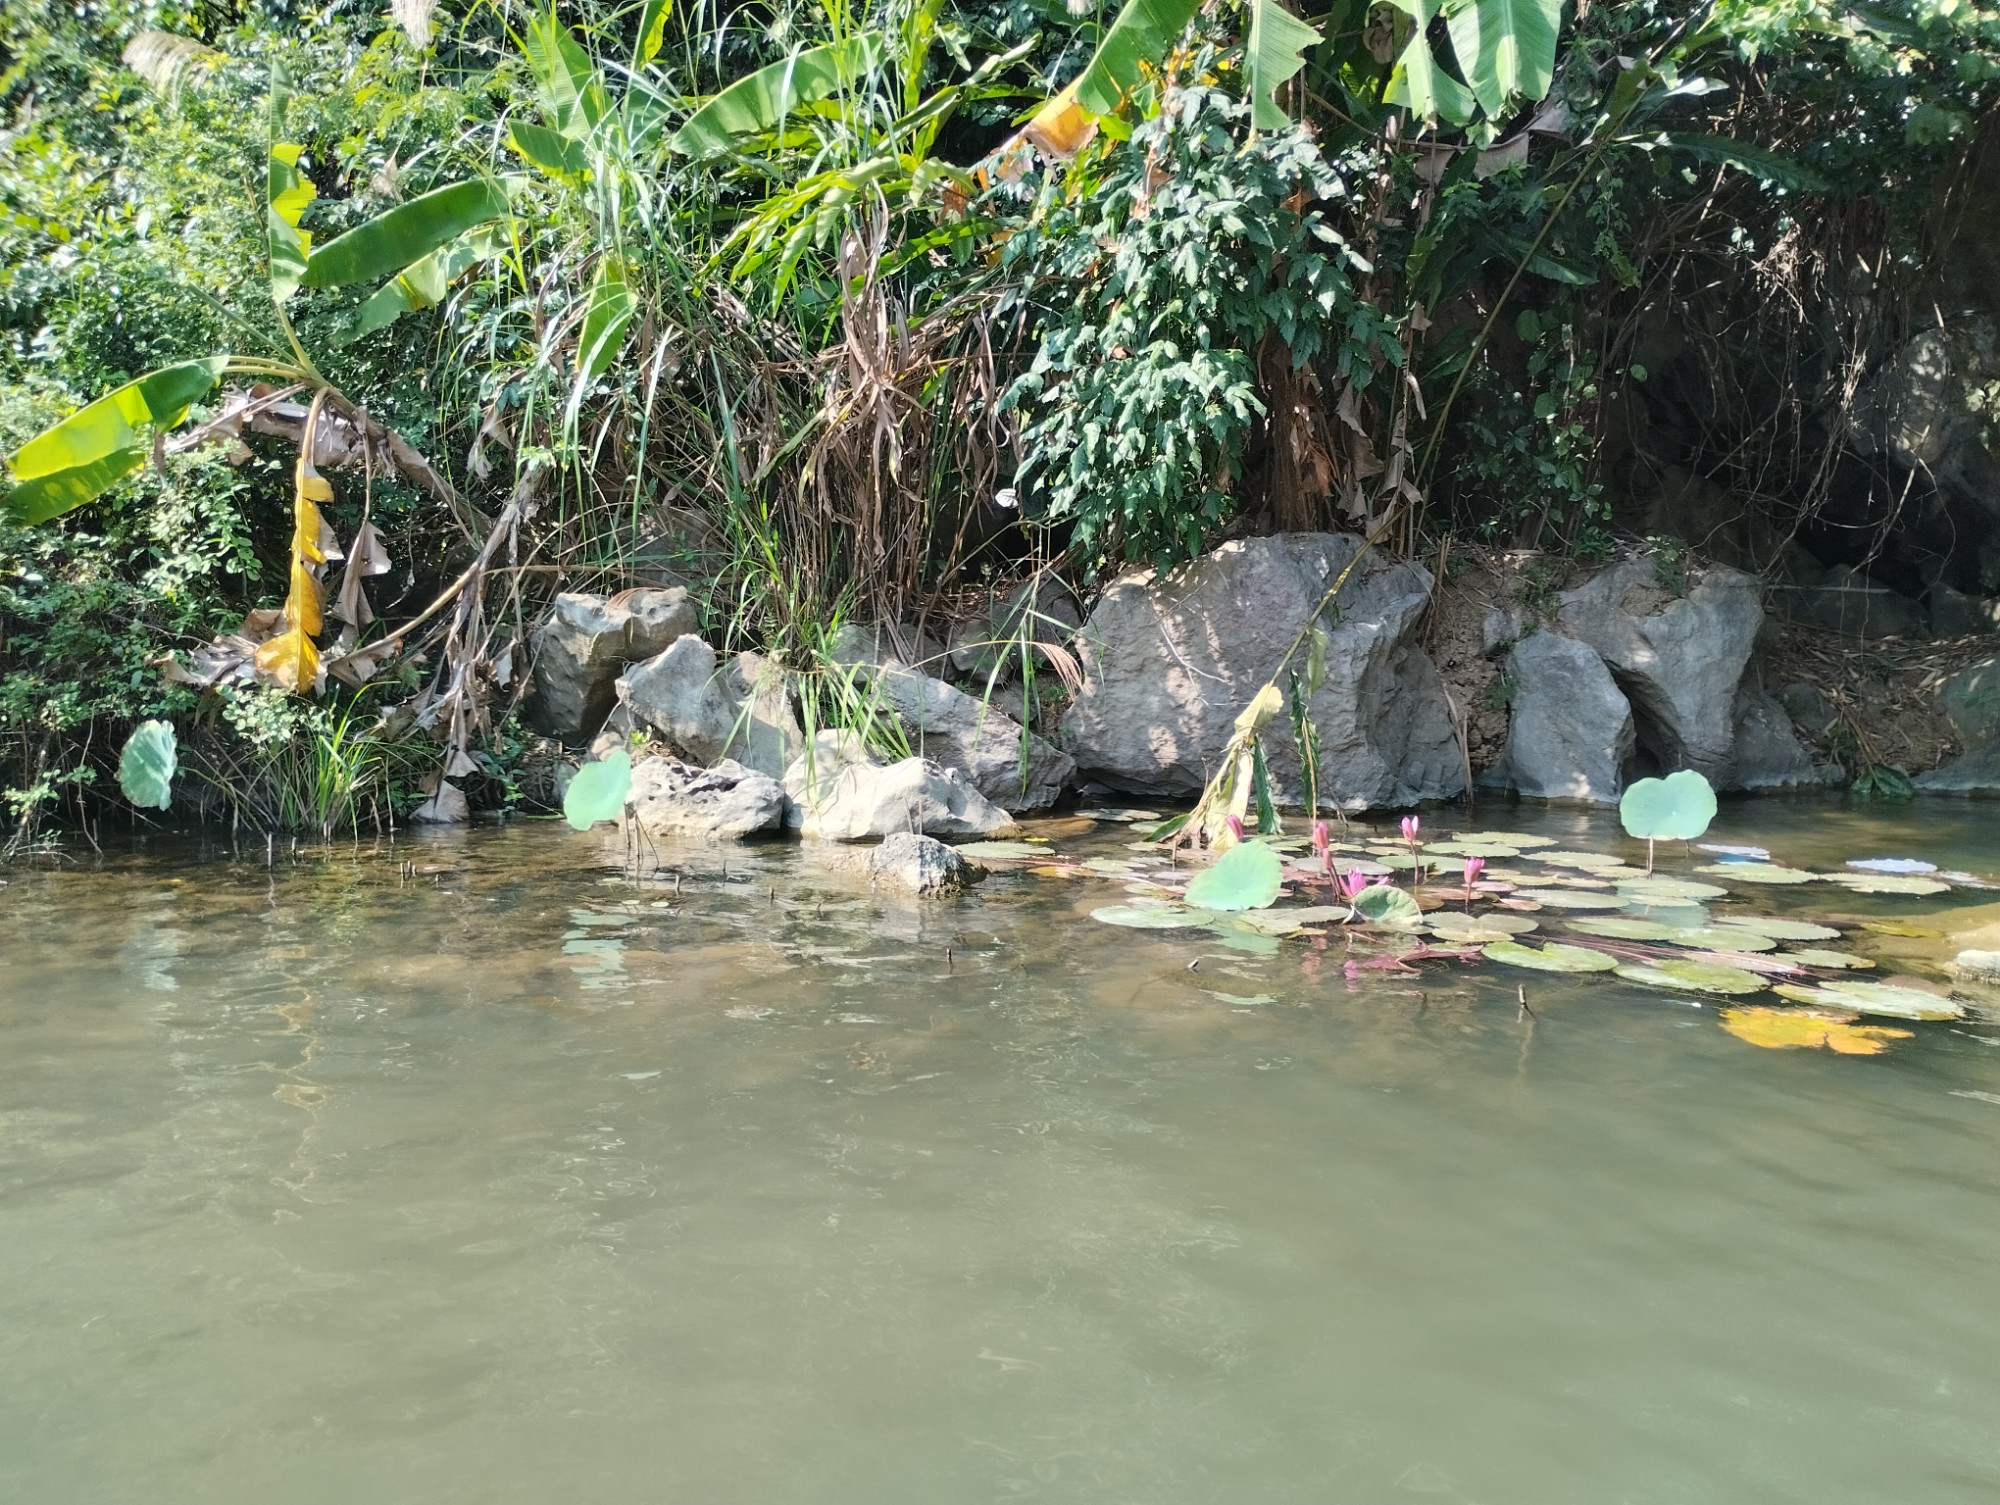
x=1891, y=865
x=1569, y=898
x=1585, y=860
x=1231, y=931
x=1888, y=883
x=1758, y=872
x=1716, y=938
x=1554, y=957
x=1670, y=890
x=1452, y=921
x=146, y=766
x=1618, y=929
x=1247, y=876
x=1780, y=929
x=1816, y=957
x=1808, y=1029
x=1697, y=976
x=1002, y=851
x=1147, y=917
x=1676, y=808
x=1315, y=914
x=1888, y=1000
x=1519, y=840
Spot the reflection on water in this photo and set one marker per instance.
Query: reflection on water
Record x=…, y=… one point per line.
x=517, y=1181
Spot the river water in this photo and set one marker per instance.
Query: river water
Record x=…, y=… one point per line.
x=511, y=1180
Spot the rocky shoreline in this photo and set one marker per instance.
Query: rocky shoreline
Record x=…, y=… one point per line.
x=1641, y=667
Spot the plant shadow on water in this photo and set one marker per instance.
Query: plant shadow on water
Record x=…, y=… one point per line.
x=475, y=1168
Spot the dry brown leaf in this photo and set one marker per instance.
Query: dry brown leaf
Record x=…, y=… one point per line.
x=1809, y=1029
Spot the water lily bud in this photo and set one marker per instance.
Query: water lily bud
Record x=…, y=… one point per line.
x=1410, y=826
x=1474, y=866
x=1322, y=838
x=1236, y=826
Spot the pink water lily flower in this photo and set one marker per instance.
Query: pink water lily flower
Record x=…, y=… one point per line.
x=1352, y=883
x=1323, y=844
x=1474, y=866
x=1411, y=825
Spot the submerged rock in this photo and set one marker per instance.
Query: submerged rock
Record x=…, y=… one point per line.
x=672, y=798
x=1170, y=661
x=838, y=792
x=710, y=711
x=584, y=644
x=920, y=865
x=1977, y=772
x=1679, y=659
x=1570, y=734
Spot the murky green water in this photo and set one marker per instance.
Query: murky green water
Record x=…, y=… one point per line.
x=512, y=1182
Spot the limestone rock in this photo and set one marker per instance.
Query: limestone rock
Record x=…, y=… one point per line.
x=1954, y=614
x=1768, y=752
x=1970, y=700
x=1851, y=604
x=711, y=711
x=1976, y=772
x=1571, y=731
x=672, y=798
x=1170, y=661
x=1808, y=707
x=586, y=642
x=1013, y=768
x=1679, y=659
x=921, y=865
x=883, y=643
x=838, y=792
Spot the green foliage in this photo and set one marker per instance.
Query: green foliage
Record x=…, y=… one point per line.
x=1151, y=293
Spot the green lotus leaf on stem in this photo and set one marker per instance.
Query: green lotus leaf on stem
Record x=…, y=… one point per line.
x=1676, y=808
x=1389, y=907
x=1247, y=876
x=146, y=766
x=598, y=790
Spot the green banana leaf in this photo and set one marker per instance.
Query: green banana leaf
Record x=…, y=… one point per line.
x=99, y=444
x=554, y=153
x=287, y=192
x=1275, y=51
x=605, y=319
x=757, y=103
x=1137, y=39
x=391, y=241
x=571, y=91
x=1419, y=84
x=1506, y=48
x=423, y=283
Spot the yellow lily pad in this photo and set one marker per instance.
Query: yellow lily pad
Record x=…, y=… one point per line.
x=1808, y=1029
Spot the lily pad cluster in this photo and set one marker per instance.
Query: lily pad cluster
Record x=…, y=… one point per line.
x=1523, y=901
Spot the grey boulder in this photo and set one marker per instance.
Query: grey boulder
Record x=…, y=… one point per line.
x=710, y=710
x=1006, y=763
x=1570, y=734
x=1970, y=700
x=1769, y=755
x=838, y=792
x=1976, y=772
x=920, y=865
x=672, y=798
x=1041, y=611
x=1679, y=659
x=583, y=646
x=1170, y=661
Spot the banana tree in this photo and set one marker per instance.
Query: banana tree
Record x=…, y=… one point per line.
x=80, y=458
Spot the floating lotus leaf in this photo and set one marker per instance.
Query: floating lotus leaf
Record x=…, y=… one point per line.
x=1565, y=880
x=1891, y=865
x=1569, y=898
x=1002, y=851
x=1815, y=957
x=1554, y=957
x=1888, y=1000
x=1403, y=862
x=1452, y=920
x=1366, y=868
x=1270, y=921
x=1719, y=938
x=1111, y=867
x=597, y=791
x=1231, y=931
x=146, y=766
x=1520, y=840
x=1247, y=876
x=1808, y=1029
x=1147, y=917
x=1781, y=930
x=1670, y=890
x=1584, y=860
x=1049, y=870
x=1888, y=883
x=1695, y=976
x=1389, y=907
x=1721, y=849
x=1676, y=808
x=1758, y=872
x=1763, y=966
x=1619, y=929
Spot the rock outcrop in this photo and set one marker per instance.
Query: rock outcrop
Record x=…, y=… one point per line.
x=1679, y=659
x=920, y=865
x=1170, y=661
x=1975, y=772
x=1570, y=732
x=583, y=646
x=1009, y=765
x=839, y=792
x=672, y=798
x=1769, y=755
x=709, y=710
x=1970, y=700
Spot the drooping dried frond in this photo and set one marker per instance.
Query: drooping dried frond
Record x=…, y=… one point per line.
x=166, y=60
